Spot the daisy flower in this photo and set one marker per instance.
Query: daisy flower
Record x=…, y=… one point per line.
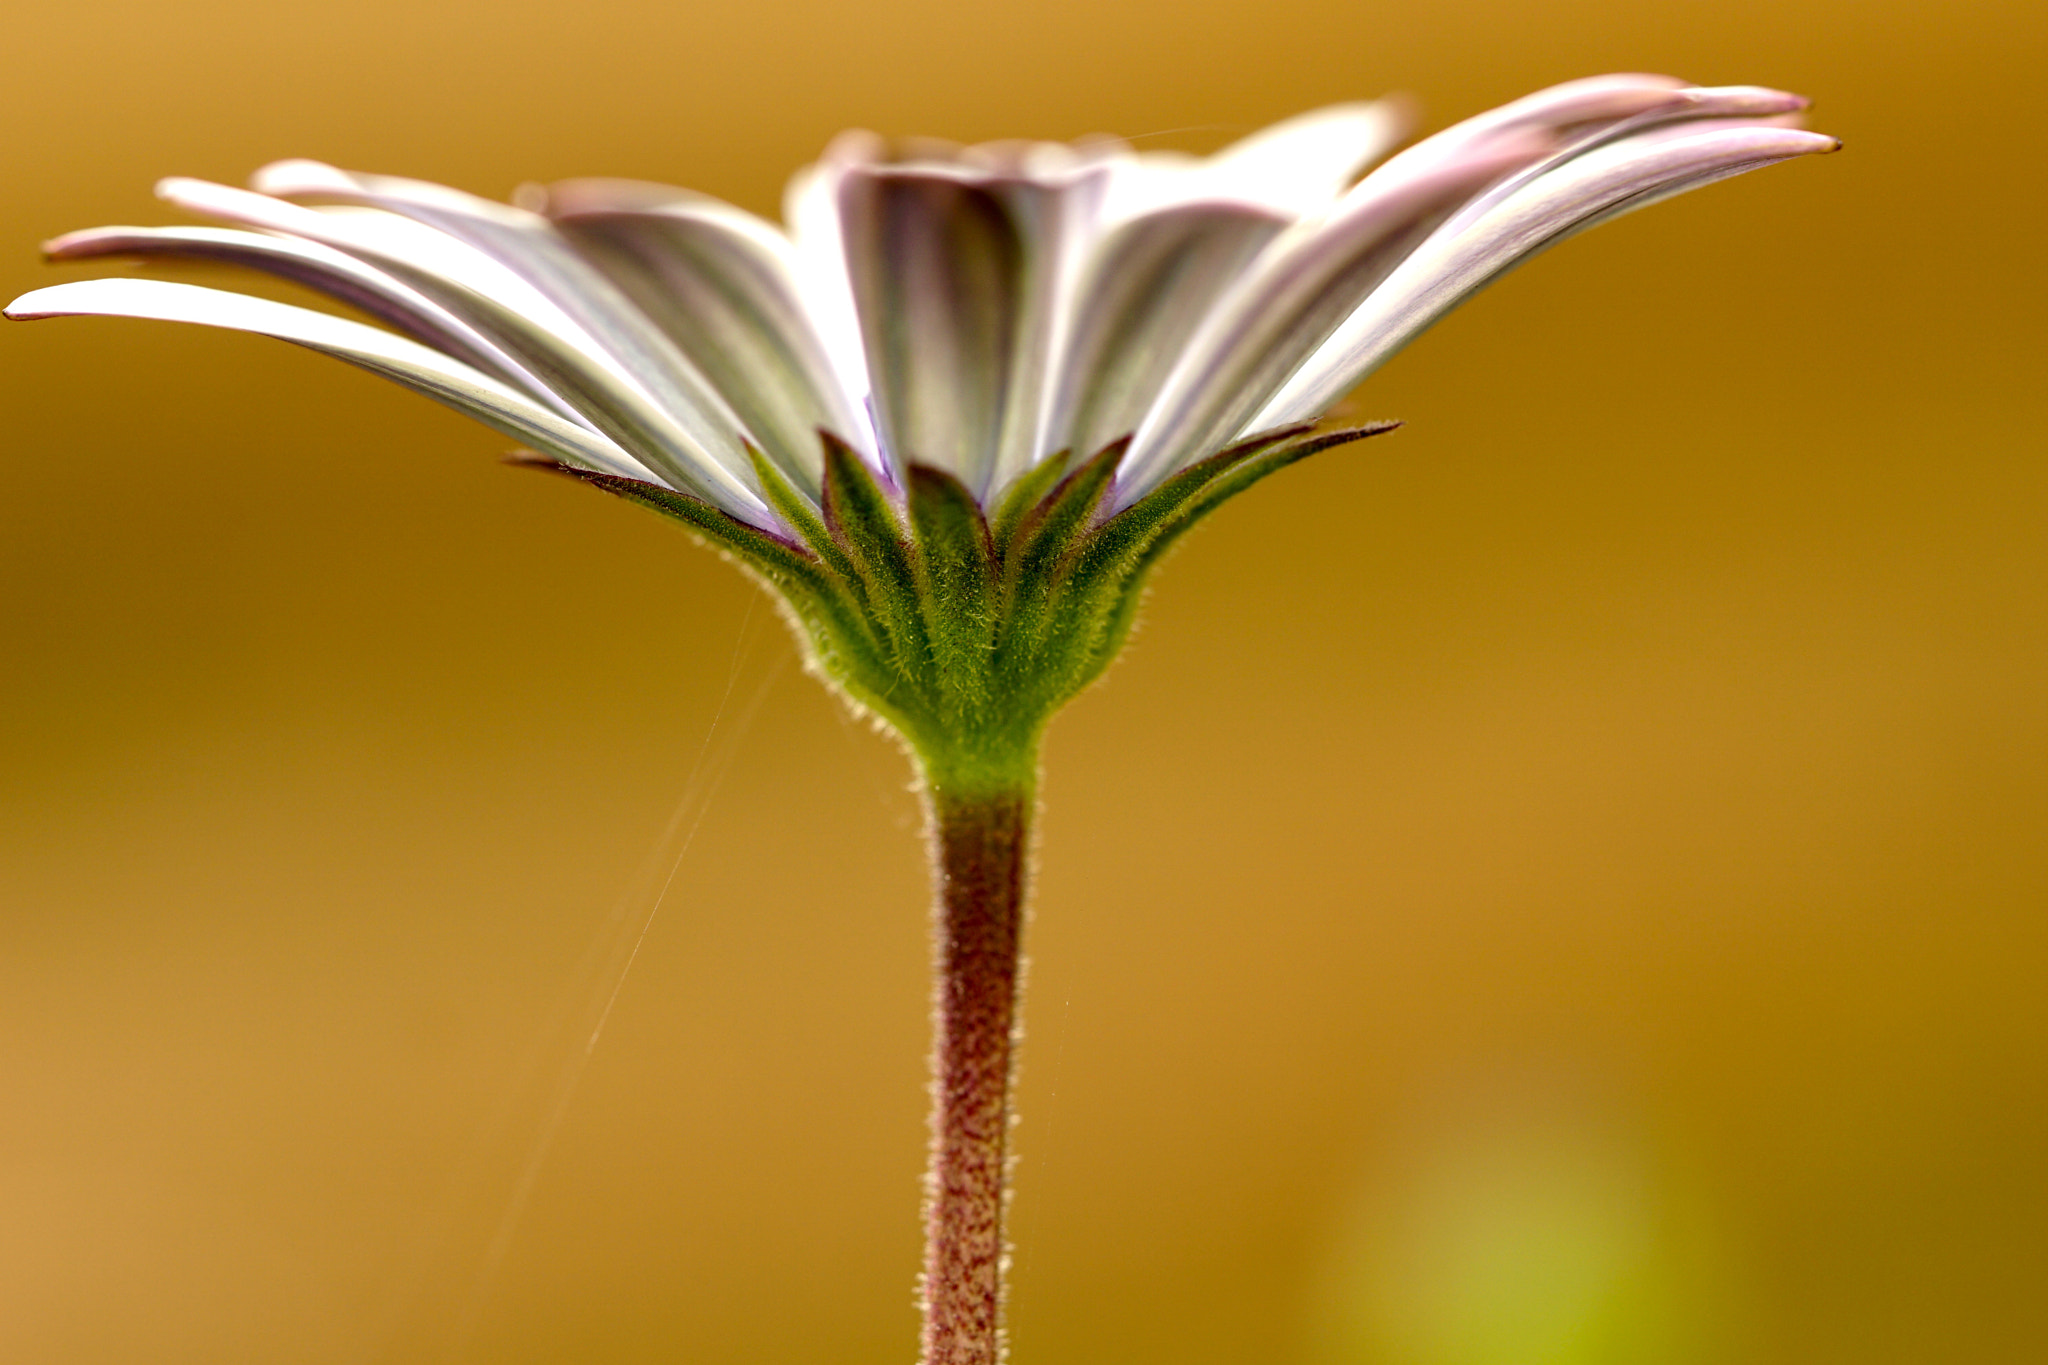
x=951, y=412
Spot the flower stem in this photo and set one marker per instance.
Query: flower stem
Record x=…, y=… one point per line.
x=980, y=837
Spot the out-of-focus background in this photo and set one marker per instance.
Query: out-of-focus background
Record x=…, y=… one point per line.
x=1557, y=886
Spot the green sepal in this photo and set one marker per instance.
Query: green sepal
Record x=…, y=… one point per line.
x=1126, y=538
x=1109, y=587
x=861, y=522
x=1134, y=523
x=1023, y=495
x=1247, y=470
x=765, y=551
x=1050, y=530
x=795, y=508
x=965, y=634
x=957, y=580
x=1046, y=543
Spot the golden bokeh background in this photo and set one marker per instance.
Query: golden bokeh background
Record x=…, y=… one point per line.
x=1562, y=885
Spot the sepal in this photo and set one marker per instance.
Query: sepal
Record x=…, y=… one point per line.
x=966, y=632
x=860, y=521
x=1048, y=540
x=957, y=576
x=761, y=550
x=1134, y=537
x=1109, y=584
x=1023, y=495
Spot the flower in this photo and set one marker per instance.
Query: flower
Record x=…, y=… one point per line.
x=975, y=309
x=950, y=319
x=952, y=415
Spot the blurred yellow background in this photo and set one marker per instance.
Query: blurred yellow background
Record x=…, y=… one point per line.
x=1560, y=885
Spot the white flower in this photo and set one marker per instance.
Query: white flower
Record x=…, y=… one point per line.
x=970, y=309
x=1035, y=367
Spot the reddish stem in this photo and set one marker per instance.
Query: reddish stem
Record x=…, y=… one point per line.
x=979, y=849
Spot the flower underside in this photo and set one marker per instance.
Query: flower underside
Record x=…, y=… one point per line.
x=965, y=630
x=971, y=309
x=959, y=319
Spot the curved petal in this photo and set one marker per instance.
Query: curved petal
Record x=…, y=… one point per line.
x=1562, y=113
x=959, y=282
x=722, y=284
x=528, y=244
x=467, y=390
x=1749, y=103
x=1297, y=293
x=1611, y=180
x=1145, y=292
x=334, y=273
x=962, y=263
x=810, y=209
x=938, y=268
x=505, y=307
x=1170, y=234
x=1300, y=165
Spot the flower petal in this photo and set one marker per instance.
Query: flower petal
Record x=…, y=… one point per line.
x=1299, y=165
x=1145, y=292
x=1467, y=253
x=810, y=209
x=1297, y=293
x=941, y=269
x=1749, y=103
x=529, y=245
x=723, y=285
x=1308, y=286
x=508, y=309
x=334, y=273
x=1561, y=113
x=461, y=387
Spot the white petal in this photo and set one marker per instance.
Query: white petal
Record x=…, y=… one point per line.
x=1560, y=111
x=1300, y=165
x=1144, y=294
x=528, y=244
x=1063, y=239
x=938, y=273
x=1467, y=253
x=465, y=389
x=1753, y=104
x=389, y=239
x=723, y=285
x=508, y=309
x=1306, y=285
x=334, y=273
x=811, y=212
x=1297, y=293
x=961, y=280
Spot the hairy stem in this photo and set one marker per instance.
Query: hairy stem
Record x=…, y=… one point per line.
x=980, y=838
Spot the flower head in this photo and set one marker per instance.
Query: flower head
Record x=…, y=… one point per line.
x=959, y=324
x=952, y=414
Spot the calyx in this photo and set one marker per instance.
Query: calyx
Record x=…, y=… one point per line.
x=964, y=628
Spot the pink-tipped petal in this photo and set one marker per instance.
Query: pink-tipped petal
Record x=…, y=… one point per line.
x=527, y=243
x=1293, y=298
x=1300, y=165
x=515, y=314
x=418, y=367
x=335, y=273
x=1469, y=252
